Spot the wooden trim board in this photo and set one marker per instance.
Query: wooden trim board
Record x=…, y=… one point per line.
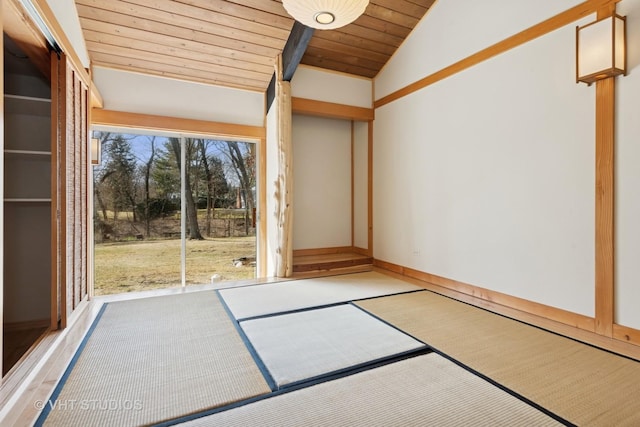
x=323, y=251
x=361, y=251
x=331, y=110
x=552, y=313
x=560, y=20
x=627, y=347
x=100, y=117
x=626, y=334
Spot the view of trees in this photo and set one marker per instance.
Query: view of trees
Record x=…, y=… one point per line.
x=139, y=180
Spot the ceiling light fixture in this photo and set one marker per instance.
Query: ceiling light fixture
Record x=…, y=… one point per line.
x=325, y=14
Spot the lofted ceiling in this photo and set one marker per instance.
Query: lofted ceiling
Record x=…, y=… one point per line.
x=235, y=42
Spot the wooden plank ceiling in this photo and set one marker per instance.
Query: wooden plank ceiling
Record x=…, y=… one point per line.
x=235, y=42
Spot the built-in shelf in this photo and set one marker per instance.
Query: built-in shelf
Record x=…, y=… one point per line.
x=28, y=152
x=17, y=104
x=27, y=200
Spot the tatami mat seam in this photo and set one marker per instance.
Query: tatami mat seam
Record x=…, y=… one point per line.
x=254, y=354
x=317, y=307
x=299, y=385
x=474, y=372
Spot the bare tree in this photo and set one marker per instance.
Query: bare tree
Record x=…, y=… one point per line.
x=243, y=165
x=192, y=212
x=210, y=184
x=147, y=178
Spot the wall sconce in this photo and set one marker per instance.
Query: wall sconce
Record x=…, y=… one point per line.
x=96, y=151
x=601, y=49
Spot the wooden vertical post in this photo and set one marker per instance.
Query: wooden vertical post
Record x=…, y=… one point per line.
x=605, y=144
x=284, y=184
x=1, y=188
x=370, y=188
x=353, y=192
x=604, y=245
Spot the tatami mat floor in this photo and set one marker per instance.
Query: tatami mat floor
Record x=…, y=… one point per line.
x=542, y=377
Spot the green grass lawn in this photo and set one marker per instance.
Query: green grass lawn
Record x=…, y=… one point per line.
x=155, y=264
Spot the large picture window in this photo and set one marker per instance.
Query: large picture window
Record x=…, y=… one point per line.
x=172, y=210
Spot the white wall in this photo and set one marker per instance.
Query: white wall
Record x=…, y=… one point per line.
x=320, y=85
x=454, y=29
x=145, y=94
x=487, y=177
x=360, y=185
x=627, y=179
x=321, y=182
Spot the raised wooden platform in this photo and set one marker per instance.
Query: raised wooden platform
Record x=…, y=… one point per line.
x=328, y=262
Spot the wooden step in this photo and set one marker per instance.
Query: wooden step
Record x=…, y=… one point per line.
x=329, y=262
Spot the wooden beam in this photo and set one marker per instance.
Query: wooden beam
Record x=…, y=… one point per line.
x=312, y=107
x=294, y=49
x=271, y=93
x=291, y=55
x=101, y=117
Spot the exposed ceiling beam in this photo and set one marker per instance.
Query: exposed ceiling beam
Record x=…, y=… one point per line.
x=294, y=49
x=292, y=54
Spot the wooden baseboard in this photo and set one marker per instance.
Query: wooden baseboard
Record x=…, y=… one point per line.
x=556, y=314
x=565, y=323
x=361, y=251
x=29, y=324
x=626, y=334
x=323, y=251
